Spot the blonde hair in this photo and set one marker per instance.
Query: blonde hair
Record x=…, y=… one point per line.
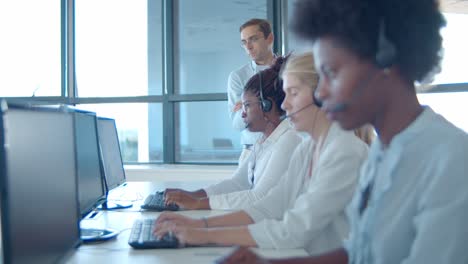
x=302, y=67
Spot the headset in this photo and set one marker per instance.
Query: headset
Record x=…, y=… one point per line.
x=317, y=101
x=386, y=53
x=265, y=102
x=385, y=57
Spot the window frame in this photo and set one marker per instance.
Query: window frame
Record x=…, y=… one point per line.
x=168, y=98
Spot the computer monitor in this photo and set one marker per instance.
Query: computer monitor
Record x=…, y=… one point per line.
x=114, y=173
x=39, y=194
x=91, y=188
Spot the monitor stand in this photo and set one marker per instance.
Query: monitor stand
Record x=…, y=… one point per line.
x=115, y=206
x=89, y=235
x=107, y=205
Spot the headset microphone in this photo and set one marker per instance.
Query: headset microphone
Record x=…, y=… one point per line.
x=340, y=107
x=283, y=117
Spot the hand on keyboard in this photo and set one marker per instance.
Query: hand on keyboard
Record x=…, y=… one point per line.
x=170, y=190
x=157, y=202
x=179, y=220
x=142, y=236
x=184, y=200
x=185, y=235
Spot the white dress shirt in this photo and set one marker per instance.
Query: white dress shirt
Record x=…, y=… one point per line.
x=267, y=163
x=236, y=82
x=418, y=207
x=305, y=211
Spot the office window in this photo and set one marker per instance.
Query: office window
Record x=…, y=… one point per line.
x=30, y=49
x=454, y=43
x=452, y=106
x=206, y=49
x=455, y=50
x=207, y=42
x=205, y=134
x=139, y=126
x=292, y=42
x=118, y=68
x=118, y=48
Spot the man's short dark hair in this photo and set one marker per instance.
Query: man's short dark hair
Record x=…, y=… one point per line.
x=263, y=25
x=412, y=26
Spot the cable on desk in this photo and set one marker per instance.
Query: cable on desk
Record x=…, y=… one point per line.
x=138, y=195
x=125, y=229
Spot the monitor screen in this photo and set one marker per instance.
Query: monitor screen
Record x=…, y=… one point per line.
x=110, y=151
x=91, y=190
x=39, y=207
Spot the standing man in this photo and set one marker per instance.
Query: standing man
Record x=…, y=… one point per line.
x=257, y=40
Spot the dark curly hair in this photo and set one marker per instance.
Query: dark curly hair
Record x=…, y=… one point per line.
x=412, y=26
x=271, y=82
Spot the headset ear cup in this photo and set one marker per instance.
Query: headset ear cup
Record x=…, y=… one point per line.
x=317, y=101
x=386, y=53
x=385, y=57
x=266, y=105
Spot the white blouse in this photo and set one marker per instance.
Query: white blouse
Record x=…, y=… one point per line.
x=267, y=163
x=305, y=211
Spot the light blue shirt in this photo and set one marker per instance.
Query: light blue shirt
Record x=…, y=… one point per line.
x=418, y=207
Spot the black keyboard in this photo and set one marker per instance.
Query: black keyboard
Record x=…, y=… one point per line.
x=156, y=202
x=142, y=236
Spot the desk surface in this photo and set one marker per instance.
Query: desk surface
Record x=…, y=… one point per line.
x=118, y=251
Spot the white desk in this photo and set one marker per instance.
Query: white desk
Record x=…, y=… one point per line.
x=118, y=251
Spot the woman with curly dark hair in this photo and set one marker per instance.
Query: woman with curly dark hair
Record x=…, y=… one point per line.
x=268, y=161
x=411, y=205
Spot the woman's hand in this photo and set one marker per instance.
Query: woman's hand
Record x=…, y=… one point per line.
x=185, y=235
x=183, y=199
x=178, y=219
